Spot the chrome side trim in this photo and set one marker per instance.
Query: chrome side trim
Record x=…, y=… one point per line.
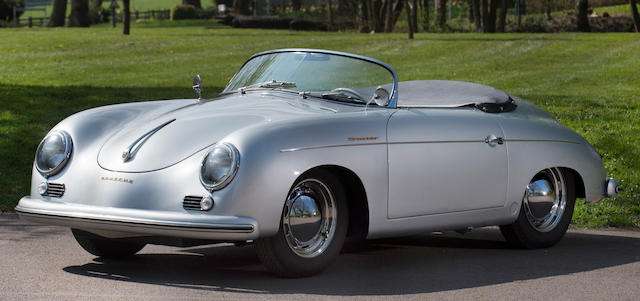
x=153, y=224
x=294, y=149
x=541, y=140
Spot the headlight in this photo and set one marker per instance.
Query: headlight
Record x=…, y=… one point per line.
x=53, y=153
x=219, y=166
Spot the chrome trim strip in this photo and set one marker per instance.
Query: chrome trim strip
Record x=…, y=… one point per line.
x=541, y=140
x=224, y=228
x=295, y=149
x=128, y=153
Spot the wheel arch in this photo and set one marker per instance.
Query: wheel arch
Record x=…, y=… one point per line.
x=356, y=197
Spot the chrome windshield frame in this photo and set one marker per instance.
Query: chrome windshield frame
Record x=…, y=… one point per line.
x=394, y=94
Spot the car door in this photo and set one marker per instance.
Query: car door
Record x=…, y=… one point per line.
x=444, y=161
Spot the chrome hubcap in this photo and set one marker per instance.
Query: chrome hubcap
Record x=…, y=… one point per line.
x=309, y=218
x=545, y=200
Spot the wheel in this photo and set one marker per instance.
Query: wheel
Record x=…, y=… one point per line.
x=312, y=228
x=105, y=247
x=546, y=211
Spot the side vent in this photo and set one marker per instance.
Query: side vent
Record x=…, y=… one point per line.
x=192, y=202
x=55, y=190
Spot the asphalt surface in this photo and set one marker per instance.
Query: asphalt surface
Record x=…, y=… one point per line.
x=45, y=263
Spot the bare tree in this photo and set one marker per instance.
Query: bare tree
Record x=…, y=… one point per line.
x=329, y=13
x=485, y=15
x=79, y=13
x=503, y=15
x=414, y=15
x=442, y=13
x=582, y=20
x=493, y=9
x=296, y=4
x=126, y=16
x=634, y=12
x=242, y=6
x=59, y=13
x=478, y=14
x=410, y=21
x=548, y=9
x=425, y=15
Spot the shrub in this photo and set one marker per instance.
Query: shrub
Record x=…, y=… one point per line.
x=207, y=12
x=302, y=24
x=183, y=11
x=98, y=15
x=261, y=22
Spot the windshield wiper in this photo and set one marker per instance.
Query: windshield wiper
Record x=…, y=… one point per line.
x=339, y=96
x=270, y=84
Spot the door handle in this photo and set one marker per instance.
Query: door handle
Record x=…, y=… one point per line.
x=491, y=139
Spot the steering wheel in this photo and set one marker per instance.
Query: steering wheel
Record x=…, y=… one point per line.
x=348, y=91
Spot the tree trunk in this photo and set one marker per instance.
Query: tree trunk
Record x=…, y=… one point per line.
x=485, y=15
x=242, y=7
x=79, y=13
x=329, y=14
x=126, y=16
x=414, y=15
x=425, y=15
x=470, y=10
x=548, y=9
x=582, y=20
x=388, y=15
x=58, y=14
x=634, y=12
x=502, y=21
x=477, y=14
x=195, y=3
x=410, y=20
x=442, y=13
x=96, y=3
x=493, y=9
x=295, y=4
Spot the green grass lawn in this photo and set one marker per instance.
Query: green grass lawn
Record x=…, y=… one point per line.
x=590, y=82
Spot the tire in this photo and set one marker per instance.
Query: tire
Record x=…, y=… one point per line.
x=303, y=245
x=106, y=247
x=535, y=229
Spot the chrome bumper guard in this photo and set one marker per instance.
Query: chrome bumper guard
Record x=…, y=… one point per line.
x=611, y=188
x=120, y=222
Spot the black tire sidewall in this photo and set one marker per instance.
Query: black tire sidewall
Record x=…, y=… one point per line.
x=287, y=262
x=522, y=234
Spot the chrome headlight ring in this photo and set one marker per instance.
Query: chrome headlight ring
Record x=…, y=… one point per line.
x=53, y=153
x=219, y=166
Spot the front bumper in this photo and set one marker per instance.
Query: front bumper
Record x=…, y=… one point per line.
x=121, y=222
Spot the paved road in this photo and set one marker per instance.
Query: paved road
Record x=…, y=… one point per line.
x=43, y=262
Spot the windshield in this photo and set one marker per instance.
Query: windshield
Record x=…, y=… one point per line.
x=331, y=76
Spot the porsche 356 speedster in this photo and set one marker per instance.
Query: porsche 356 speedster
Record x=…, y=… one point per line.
x=304, y=148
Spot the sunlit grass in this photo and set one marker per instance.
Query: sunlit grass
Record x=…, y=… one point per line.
x=590, y=82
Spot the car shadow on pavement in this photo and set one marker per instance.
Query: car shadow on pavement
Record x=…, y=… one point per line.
x=408, y=265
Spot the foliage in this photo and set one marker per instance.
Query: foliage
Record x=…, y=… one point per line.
x=183, y=12
x=589, y=82
x=6, y=9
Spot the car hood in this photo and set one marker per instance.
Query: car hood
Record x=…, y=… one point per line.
x=188, y=129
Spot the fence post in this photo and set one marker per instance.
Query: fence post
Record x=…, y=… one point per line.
x=30, y=22
x=153, y=14
x=136, y=13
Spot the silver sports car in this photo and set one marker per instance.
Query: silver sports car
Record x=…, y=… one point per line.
x=304, y=148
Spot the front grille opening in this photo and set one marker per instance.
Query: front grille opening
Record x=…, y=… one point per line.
x=55, y=190
x=191, y=202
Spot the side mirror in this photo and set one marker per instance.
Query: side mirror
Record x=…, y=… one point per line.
x=381, y=97
x=197, y=85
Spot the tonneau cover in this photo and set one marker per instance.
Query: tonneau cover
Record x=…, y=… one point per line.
x=449, y=94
